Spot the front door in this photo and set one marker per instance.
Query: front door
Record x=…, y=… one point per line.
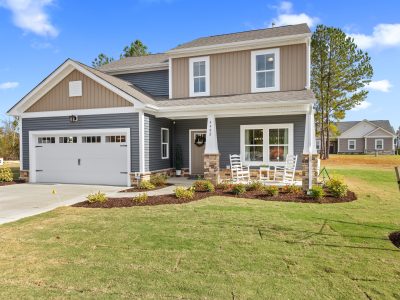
x=197, y=146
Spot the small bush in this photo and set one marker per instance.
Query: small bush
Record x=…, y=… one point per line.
x=140, y=198
x=97, y=197
x=158, y=179
x=337, y=187
x=292, y=189
x=145, y=185
x=238, y=189
x=203, y=186
x=317, y=192
x=6, y=175
x=255, y=186
x=271, y=190
x=223, y=186
x=184, y=193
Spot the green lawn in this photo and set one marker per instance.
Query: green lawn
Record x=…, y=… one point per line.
x=218, y=248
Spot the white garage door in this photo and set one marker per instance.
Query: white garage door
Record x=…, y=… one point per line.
x=82, y=158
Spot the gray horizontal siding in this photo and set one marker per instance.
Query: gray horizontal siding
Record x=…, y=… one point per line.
x=387, y=144
x=152, y=129
x=228, y=131
x=344, y=148
x=153, y=82
x=129, y=120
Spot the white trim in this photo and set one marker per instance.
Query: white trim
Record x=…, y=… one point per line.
x=338, y=144
x=192, y=60
x=379, y=128
x=276, y=71
x=95, y=111
x=142, y=162
x=34, y=134
x=308, y=64
x=166, y=157
x=21, y=150
x=383, y=144
x=170, y=78
x=348, y=145
x=190, y=147
x=265, y=128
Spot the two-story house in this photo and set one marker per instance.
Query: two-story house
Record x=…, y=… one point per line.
x=244, y=93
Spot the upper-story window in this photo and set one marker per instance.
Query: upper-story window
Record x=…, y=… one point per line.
x=199, y=72
x=265, y=70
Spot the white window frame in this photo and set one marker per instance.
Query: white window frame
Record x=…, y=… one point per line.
x=383, y=145
x=254, y=54
x=348, y=145
x=318, y=145
x=265, y=128
x=164, y=143
x=192, y=60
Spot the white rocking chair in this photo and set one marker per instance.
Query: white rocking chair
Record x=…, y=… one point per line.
x=285, y=174
x=239, y=173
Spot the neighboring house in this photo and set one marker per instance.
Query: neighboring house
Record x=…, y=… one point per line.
x=363, y=137
x=244, y=93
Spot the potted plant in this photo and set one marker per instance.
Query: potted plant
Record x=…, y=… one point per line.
x=178, y=160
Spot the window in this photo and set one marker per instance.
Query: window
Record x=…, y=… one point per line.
x=265, y=70
x=318, y=145
x=379, y=144
x=199, y=73
x=68, y=139
x=164, y=143
x=91, y=139
x=261, y=144
x=115, y=139
x=46, y=140
x=351, y=144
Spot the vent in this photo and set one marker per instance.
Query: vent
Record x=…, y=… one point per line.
x=75, y=88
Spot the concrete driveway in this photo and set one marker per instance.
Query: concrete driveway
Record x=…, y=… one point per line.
x=23, y=200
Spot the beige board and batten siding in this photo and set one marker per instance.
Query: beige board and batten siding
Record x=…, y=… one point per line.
x=230, y=73
x=94, y=95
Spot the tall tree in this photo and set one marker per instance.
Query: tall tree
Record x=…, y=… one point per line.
x=339, y=73
x=136, y=48
x=9, y=139
x=101, y=60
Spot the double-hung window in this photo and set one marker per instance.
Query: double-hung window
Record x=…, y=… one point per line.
x=318, y=145
x=265, y=70
x=379, y=144
x=351, y=144
x=199, y=73
x=164, y=143
x=266, y=144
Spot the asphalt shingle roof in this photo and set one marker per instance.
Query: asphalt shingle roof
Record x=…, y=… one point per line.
x=136, y=62
x=346, y=125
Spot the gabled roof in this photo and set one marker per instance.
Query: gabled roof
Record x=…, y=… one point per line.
x=136, y=63
x=347, y=125
x=246, y=36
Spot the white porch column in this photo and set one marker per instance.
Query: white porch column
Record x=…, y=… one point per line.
x=141, y=143
x=211, y=136
x=310, y=154
x=211, y=153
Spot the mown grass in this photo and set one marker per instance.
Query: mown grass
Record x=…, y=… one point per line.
x=217, y=248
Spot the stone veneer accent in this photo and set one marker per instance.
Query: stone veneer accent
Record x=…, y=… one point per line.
x=24, y=175
x=146, y=176
x=314, y=170
x=211, y=168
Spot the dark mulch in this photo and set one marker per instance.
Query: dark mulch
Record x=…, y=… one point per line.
x=134, y=189
x=171, y=199
x=12, y=182
x=394, y=237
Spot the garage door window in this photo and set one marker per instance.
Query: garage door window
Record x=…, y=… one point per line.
x=115, y=139
x=91, y=139
x=68, y=139
x=46, y=140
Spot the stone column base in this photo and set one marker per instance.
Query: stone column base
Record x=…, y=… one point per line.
x=24, y=175
x=305, y=170
x=211, y=168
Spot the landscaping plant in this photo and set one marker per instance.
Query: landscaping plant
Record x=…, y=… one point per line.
x=337, y=187
x=97, y=197
x=203, y=186
x=292, y=189
x=158, y=179
x=184, y=193
x=140, y=198
x=271, y=190
x=223, y=186
x=239, y=189
x=145, y=185
x=255, y=186
x=317, y=192
x=6, y=175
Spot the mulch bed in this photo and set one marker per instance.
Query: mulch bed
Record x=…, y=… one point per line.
x=394, y=237
x=12, y=182
x=171, y=199
x=135, y=190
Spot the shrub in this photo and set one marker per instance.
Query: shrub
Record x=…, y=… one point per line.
x=292, y=189
x=203, y=186
x=6, y=175
x=145, y=185
x=255, y=186
x=223, y=186
x=238, y=189
x=184, y=193
x=97, y=197
x=317, y=192
x=158, y=179
x=337, y=187
x=140, y=198
x=271, y=190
